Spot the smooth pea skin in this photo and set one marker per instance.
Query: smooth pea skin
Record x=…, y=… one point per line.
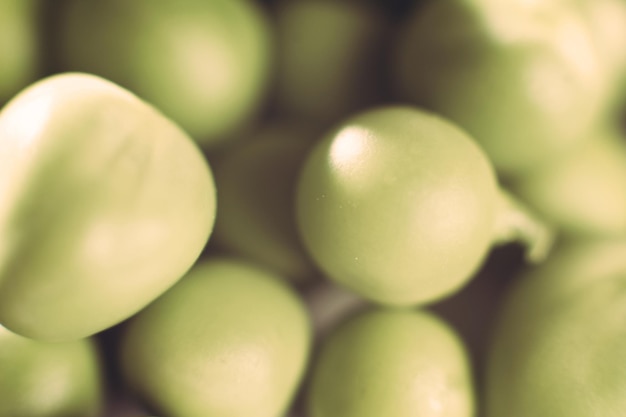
x=330, y=59
x=41, y=379
x=507, y=72
x=229, y=340
x=398, y=363
x=205, y=64
x=256, y=180
x=584, y=191
x=559, y=347
x=105, y=205
x=398, y=205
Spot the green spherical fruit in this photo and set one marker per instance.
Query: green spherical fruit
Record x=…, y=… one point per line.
x=330, y=58
x=525, y=79
x=559, y=347
x=41, y=379
x=229, y=339
x=397, y=363
x=584, y=191
x=398, y=205
x=205, y=64
x=256, y=180
x=105, y=205
x=19, y=46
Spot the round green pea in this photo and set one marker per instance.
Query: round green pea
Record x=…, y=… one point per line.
x=41, y=379
x=256, y=180
x=330, y=59
x=230, y=339
x=398, y=205
x=399, y=363
x=584, y=191
x=105, y=205
x=559, y=347
x=526, y=79
x=205, y=64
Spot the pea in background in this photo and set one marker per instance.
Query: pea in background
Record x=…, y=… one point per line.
x=347, y=60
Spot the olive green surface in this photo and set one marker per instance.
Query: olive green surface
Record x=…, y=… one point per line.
x=229, y=340
x=399, y=363
x=397, y=204
x=559, y=346
x=19, y=46
x=584, y=191
x=105, y=205
x=41, y=379
x=331, y=58
x=526, y=79
x=205, y=64
x=256, y=186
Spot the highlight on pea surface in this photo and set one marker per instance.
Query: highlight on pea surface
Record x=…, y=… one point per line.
x=268, y=208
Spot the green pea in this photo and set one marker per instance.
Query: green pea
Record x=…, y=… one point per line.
x=402, y=206
x=105, y=205
x=205, y=64
x=525, y=79
x=397, y=363
x=256, y=182
x=230, y=339
x=558, y=348
x=19, y=46
x=41, y=379
x=584, y=191
x=331, y=58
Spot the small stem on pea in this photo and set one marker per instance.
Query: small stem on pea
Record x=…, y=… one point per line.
x=516, y=223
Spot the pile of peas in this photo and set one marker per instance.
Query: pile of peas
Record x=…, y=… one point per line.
x=312, y=208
